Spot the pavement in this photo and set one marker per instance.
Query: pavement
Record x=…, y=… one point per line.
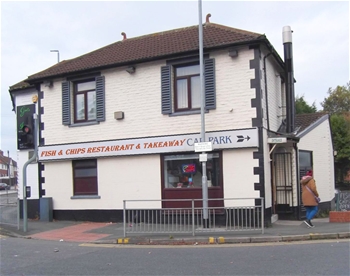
x=113, y=233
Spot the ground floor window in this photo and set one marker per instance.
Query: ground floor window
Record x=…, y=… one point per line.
x=85, y=177
x=185, y=171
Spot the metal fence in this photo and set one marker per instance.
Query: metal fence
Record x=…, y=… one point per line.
x=342, y=201
x=9, y=207
x=224, y=215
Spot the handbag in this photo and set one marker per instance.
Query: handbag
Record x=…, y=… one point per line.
x=318, y=200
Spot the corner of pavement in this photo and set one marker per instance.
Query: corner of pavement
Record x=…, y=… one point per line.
x=113, y=233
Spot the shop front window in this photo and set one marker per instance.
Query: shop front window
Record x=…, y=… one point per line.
x=185, y=171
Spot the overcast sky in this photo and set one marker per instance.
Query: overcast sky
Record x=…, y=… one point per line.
x=29, y=30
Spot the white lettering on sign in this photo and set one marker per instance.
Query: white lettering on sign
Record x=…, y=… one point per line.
x=178, y=143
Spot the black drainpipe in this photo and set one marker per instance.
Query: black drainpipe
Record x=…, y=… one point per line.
x=288, y=60
x=266, y=94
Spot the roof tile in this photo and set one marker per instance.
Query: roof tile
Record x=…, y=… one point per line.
x=305, y=120
x=148, y=47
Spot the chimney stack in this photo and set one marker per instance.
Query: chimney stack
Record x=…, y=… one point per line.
x=289, y=74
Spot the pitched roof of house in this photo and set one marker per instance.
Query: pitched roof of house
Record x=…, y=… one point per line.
x=20, y=85
x=307, y=122
x=150, y=47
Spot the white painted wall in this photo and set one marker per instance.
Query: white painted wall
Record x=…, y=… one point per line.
x=120, y=178
x=239, y=178
x=138, y=96
x=274, y=93
x=319, y=142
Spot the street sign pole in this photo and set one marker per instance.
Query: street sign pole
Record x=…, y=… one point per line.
x=201, y=71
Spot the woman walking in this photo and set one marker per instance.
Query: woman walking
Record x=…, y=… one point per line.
x=309, y=197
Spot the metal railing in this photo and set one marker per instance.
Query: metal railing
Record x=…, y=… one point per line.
x=225, y=215
x=342, y=201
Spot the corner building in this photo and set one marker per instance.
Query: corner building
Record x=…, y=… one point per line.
x=120, y=123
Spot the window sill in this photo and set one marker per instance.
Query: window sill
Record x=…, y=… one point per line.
x=85, y=197
x=182, y=113
x=84, y=124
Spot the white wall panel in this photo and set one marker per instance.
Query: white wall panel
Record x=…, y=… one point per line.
x=239, y=176
x=319, y=142
x=121, y=178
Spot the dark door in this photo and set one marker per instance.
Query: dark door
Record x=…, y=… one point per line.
x=283, y=182
x=305, y=164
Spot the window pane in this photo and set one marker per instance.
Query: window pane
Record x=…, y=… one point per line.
x=85, y=177
x=85, y=186
x=85, y=172
x=80, y=108
x=84, y=164
x=195, y=92
x=186, y=173
x=182, y=98
x=305, y=159
x=84, y=86
x=92, y=105
x=187, y=70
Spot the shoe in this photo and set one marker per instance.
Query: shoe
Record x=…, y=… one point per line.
x=307, y=222
x=311, y=225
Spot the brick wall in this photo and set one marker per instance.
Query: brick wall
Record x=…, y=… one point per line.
x=341, y=216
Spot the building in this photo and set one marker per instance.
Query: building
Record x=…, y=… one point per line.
x=120, y=123
x=8, y=170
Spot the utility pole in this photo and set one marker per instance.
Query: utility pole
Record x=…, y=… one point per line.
x=202, y=87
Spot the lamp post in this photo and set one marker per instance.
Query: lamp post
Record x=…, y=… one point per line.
x=202, y=89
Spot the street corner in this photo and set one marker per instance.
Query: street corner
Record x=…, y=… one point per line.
x=8, y=233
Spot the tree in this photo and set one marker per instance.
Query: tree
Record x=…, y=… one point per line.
x=301, y=106
x=337, y=104
x=340, y=124
x=338, y=100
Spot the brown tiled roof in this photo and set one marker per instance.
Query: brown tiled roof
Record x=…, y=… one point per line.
x=20, y=85
x=152, y=46
x=305, y=120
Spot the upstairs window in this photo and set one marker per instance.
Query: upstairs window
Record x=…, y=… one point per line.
x=187, y=88
x=184, y=80
x=83, y=101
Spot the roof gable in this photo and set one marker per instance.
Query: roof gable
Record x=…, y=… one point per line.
x=307, y=122
x=148, y=47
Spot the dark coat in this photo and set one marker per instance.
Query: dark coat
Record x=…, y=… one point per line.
x=307, y=197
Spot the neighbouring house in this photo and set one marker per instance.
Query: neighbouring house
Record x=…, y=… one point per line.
x=8, y=170
x=316, y=153
x=120, y=123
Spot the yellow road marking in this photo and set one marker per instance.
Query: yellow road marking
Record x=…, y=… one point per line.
x=212, y=245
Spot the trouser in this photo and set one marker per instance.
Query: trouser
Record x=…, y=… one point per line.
x=311, y=211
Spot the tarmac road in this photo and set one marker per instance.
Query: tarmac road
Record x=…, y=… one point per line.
x=40, y=257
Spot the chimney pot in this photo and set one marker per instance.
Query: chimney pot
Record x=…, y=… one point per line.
x=287, y=34
x=207, y=18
